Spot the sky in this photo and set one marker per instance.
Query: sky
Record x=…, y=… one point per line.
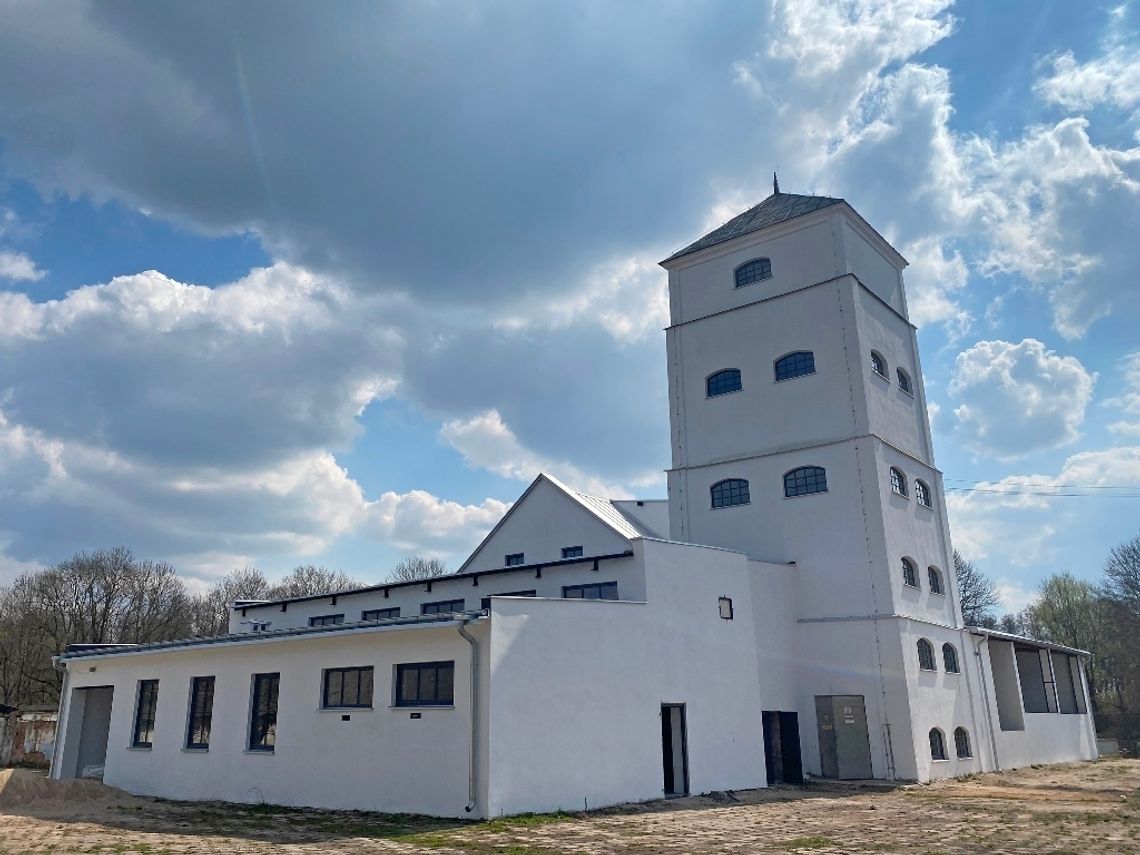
x=289, y=283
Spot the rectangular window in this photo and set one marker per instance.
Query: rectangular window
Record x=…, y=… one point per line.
x=144, y=714
x=347, y=687
x=572, y=552
x=425, y=684
x=201, y=712
x=485, y=603
x=596, y=591
x=380, y=614
x=443, y=607
x=263, y=712
x=513, y=560
x=326, y=620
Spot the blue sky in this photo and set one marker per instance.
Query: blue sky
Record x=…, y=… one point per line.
x=282, y=283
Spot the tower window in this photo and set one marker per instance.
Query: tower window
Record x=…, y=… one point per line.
x=910, y=575
x=723, y=382
x=926, y=655
x=731, y=491
x=934, y=577
x=898, y=482
x=795, y=364
x=753, y=271
x=904, y=381
x=950, y=658
x=922, y=493
x=937, y=744
x=805, y=481
x=878, y=364
x=962, y=743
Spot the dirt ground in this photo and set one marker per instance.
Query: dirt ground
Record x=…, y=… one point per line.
x=1050, y=810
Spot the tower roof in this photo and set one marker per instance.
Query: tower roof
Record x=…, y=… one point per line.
x=777, y=208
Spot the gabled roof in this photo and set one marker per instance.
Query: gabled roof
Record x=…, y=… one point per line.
x=602, y=509
x=777, y=208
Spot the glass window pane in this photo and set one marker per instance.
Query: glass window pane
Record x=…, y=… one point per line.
x=445, y=684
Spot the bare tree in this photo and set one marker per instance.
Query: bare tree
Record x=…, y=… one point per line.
x=417, y=567
x=977, y=593
x=212, y=609
x=1122, y=576
x=310, y=579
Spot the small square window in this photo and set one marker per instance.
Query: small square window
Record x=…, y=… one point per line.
x=572, y=552
x=513, y=560
x=725, y=607
x=326, y=620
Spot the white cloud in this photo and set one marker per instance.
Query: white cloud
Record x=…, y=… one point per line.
x=486, y=442
x=1018, y=398
x=1128, y=401
x=931, y=282
x=1013, y=596
x=1111, y=78
x=418, y=522
x=18, y=267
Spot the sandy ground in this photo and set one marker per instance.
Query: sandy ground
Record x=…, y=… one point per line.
x=1051, y=810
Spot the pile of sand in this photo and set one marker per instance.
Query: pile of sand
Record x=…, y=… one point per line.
x=29, y=787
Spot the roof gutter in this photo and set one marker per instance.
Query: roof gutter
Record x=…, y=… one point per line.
x=473, y=761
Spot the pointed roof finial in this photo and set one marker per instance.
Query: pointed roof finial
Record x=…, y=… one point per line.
x=775, y=182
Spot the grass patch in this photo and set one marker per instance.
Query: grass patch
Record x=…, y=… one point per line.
x=815, y=842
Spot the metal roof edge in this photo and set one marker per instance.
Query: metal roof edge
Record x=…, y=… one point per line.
x=1025, y=639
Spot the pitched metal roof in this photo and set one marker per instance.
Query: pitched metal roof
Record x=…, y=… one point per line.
x=777, y=208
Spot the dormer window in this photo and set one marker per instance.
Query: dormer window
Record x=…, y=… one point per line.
x=753, y=271
x=723, y=382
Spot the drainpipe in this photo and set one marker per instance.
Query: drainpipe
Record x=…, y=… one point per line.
x=986, y=700
x=472, y=777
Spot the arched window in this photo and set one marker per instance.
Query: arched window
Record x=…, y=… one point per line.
x=934, y=577
x=922, y=493
x=910, y=575
x=926, y=655
x=904, y=381
x=878, y=364
x=753, y=271
x=950, y=658
x=898, y=481
x=937, y=744
x=804, y=481
x=723, y=382
x=729, y=492
x=962, y=743
x=795, y=364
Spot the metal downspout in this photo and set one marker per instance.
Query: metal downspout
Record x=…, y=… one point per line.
x=472, y=777
x=986, y=699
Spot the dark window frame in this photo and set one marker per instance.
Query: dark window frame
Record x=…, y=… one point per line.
x=879, y=366
x=380, y=614
x=934, y=581
x=514, y=559
x=602, y=587
x=926, y=661
x=922, y=493
x=910, y=573
x=437, y=607
x=573, y=552
x=904, y=382
x=937, y=744
x=146, y=708
x=724, y=606
x=950, y=660
x=962, y=744
x=753, y=270
x=798, y=363
x=200, y=717
x=358, y=672
x=262, y=735
x=730, y=493
x=805, y=481
x=420, y=669
x=898, y=483
x=326, y=620
x=724, y=382
x=485, y=602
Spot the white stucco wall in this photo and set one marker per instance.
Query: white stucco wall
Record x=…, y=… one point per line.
x=577, y=688
x=379, y=760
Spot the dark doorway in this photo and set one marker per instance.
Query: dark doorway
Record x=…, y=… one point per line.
x=782, y=747
x=674, y=750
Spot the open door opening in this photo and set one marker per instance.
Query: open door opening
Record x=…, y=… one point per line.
x=674, y=750
x=782, y=748
x=88, y=723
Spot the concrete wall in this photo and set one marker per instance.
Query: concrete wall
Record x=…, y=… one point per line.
x=631, y=586
x=577, y=687
x=382, y=759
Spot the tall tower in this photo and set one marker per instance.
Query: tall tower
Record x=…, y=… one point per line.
x=800, y=434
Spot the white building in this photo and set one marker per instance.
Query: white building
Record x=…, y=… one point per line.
x=791, y=608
